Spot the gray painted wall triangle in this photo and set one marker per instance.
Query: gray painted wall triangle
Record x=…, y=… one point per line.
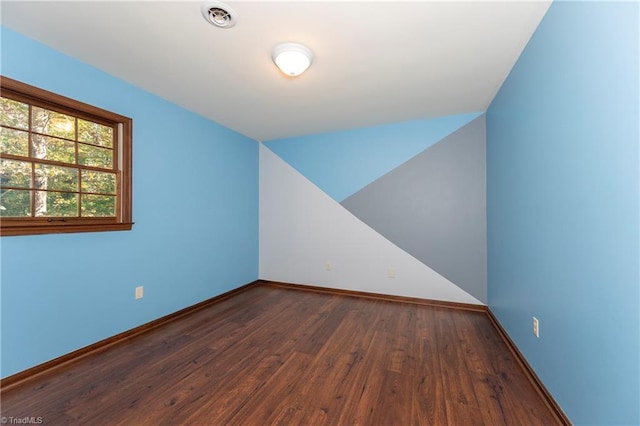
x=434, y=207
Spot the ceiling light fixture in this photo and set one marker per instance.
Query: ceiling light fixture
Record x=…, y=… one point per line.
x=219, y=14
x=292, y=58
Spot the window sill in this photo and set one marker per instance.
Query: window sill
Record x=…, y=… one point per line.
x=57, y=228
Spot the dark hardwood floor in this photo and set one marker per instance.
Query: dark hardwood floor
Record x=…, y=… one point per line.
x=273, y=355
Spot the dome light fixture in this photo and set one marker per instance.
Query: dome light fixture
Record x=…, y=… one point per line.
x=292, y=58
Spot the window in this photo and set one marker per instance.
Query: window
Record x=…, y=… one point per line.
x=65, y=165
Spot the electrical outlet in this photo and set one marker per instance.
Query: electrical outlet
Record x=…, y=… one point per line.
x=536, y=327
x=139, y=292
x=327, y=266
x=391, y=272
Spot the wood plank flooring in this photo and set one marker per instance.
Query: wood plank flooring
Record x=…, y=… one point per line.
x=273, y=355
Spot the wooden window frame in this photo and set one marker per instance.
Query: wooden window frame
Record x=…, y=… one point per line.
x=12, y=226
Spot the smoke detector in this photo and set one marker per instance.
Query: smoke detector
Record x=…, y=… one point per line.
x=219, y=14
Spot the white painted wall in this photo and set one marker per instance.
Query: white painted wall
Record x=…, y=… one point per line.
x=302, y=229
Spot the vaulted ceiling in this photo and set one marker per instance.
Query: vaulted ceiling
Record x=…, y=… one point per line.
x=375, y=62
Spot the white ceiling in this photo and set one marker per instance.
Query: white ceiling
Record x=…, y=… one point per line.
x=375, y=62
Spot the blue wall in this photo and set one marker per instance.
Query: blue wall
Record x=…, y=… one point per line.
x=195, y=192
x=563, y=231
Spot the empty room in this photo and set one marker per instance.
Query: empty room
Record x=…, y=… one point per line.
x=320, y=212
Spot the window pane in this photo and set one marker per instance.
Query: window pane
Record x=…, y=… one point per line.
x=93, y=156
x=54, y=149
x=53, y=123
x=95, y=133
x=99, y=182
x=14, y=142
x=98, y=205
x=56, y=178
x=14, y=114
x=56, y=204
x=15, y=203
x=15, y=173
